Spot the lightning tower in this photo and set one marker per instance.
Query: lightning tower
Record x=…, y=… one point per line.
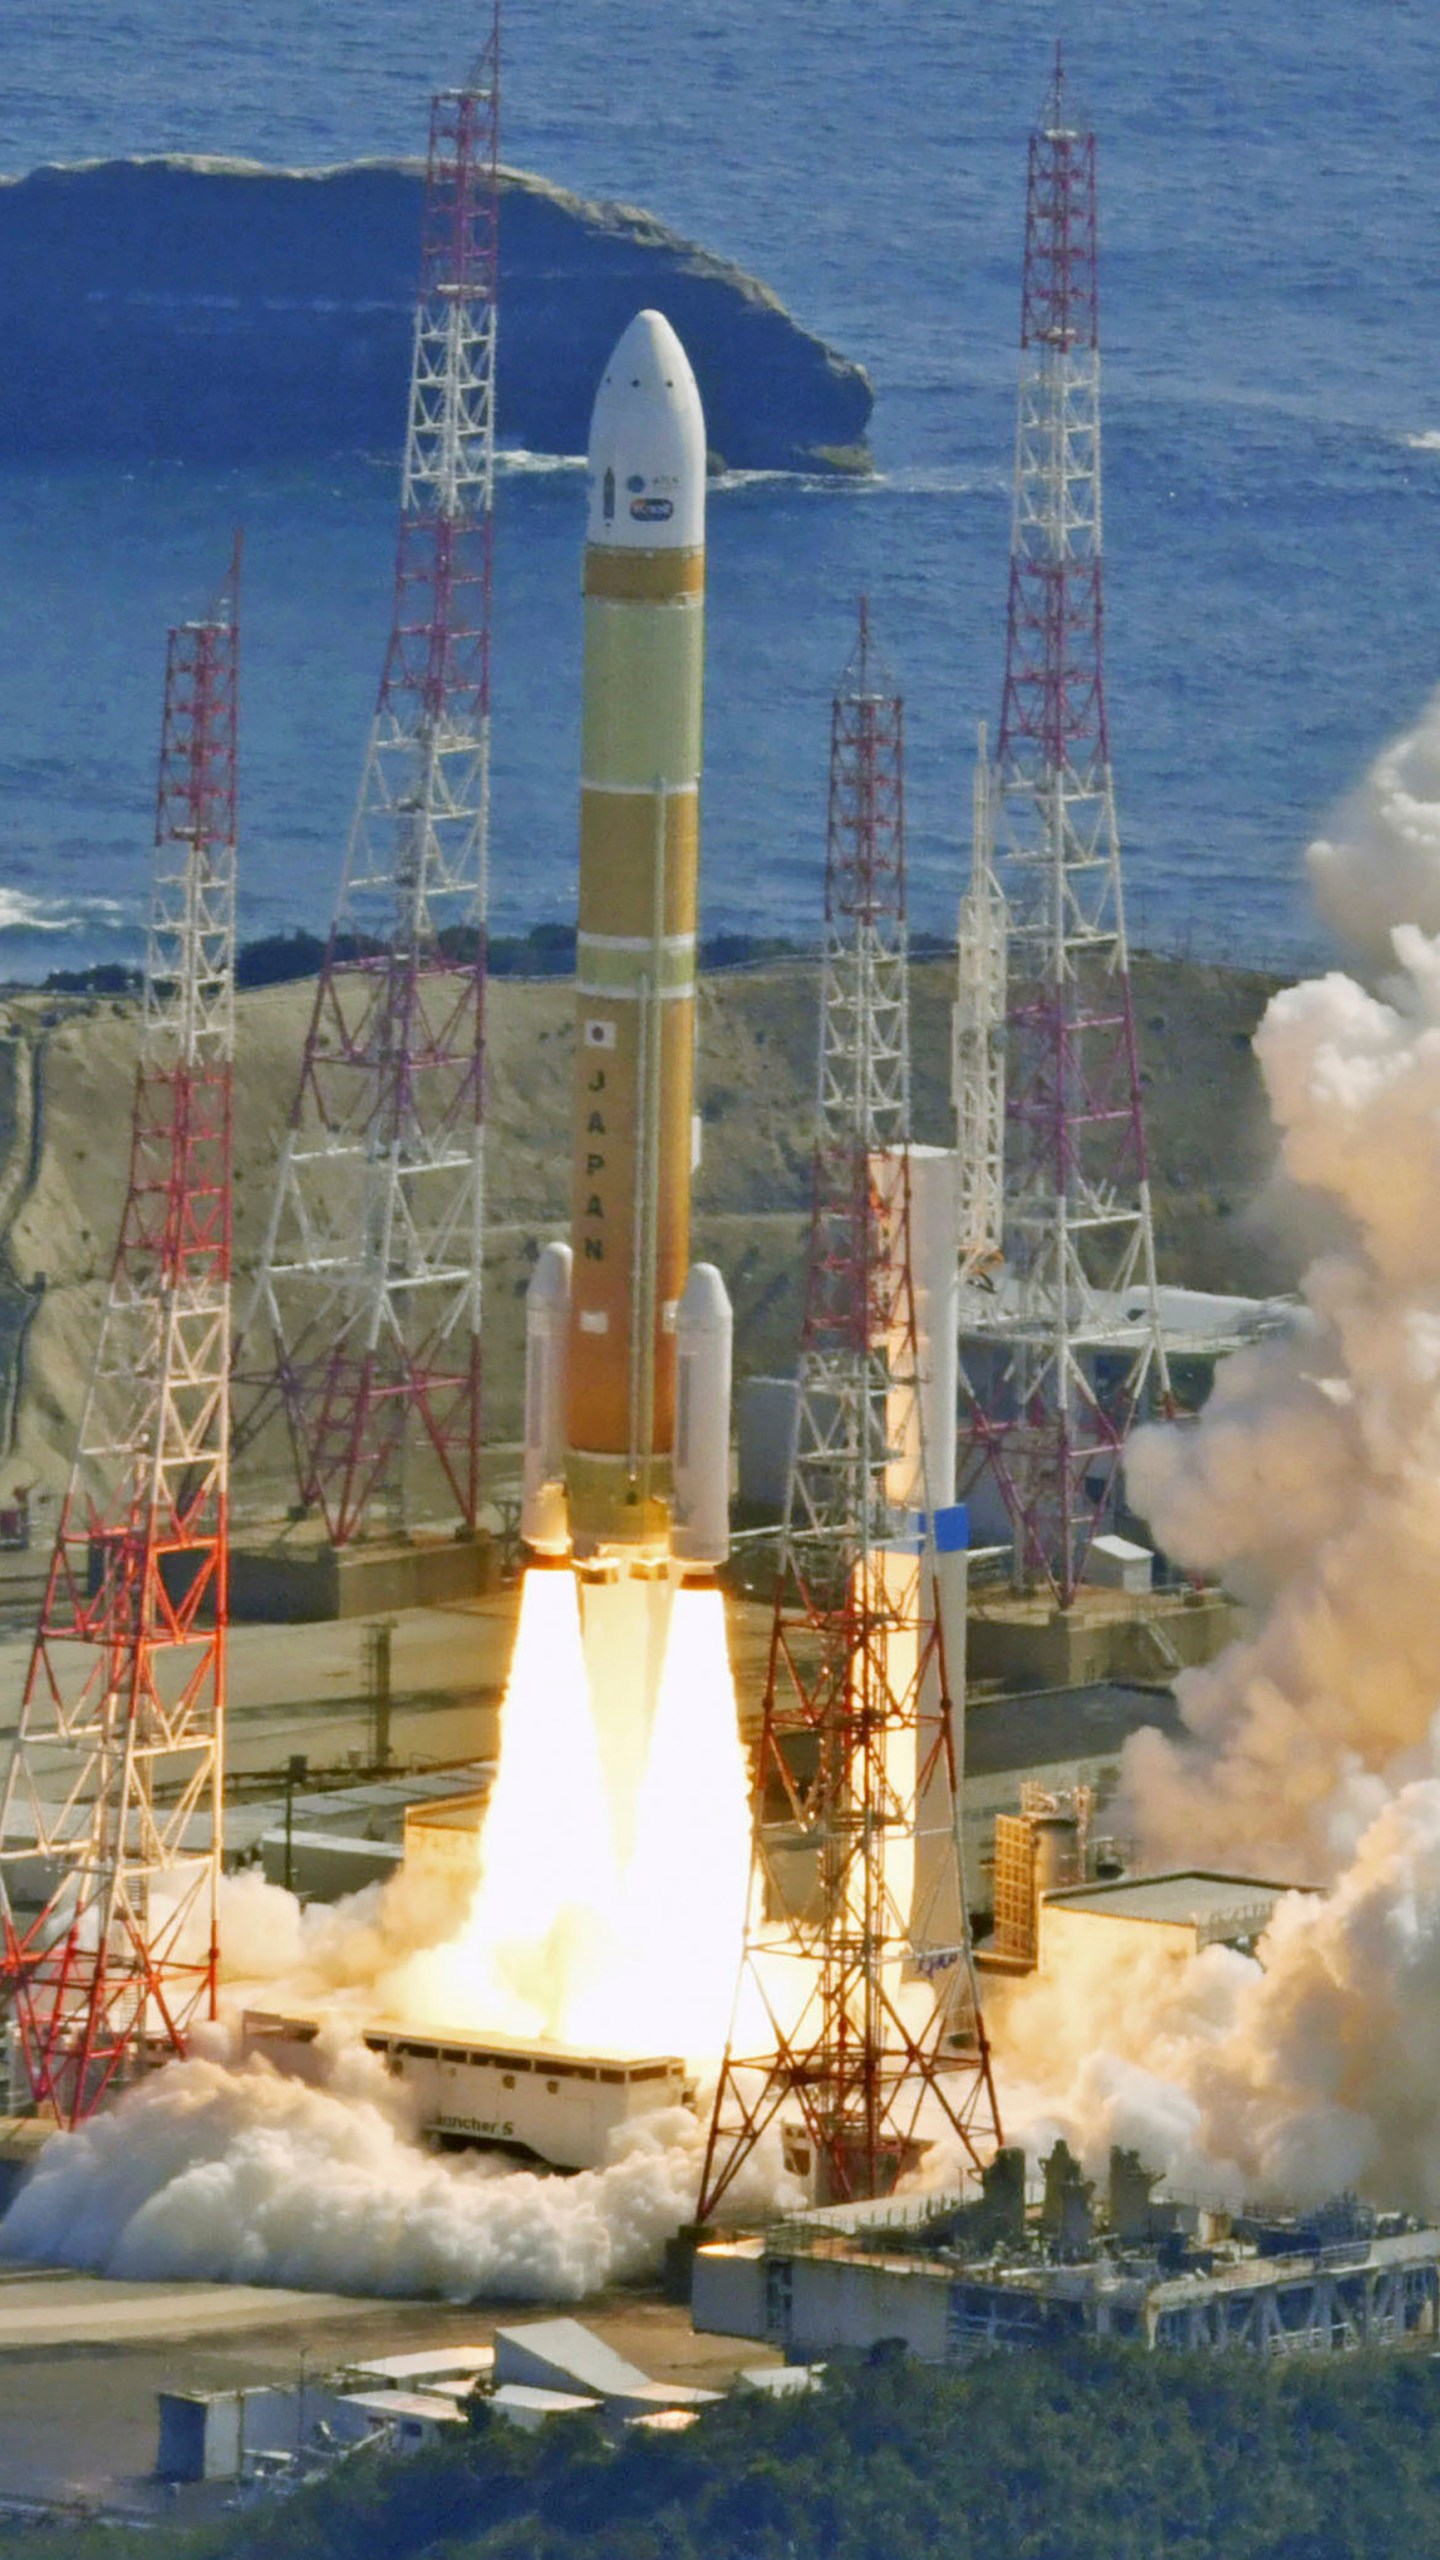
x=113, y=1787
x=370, y=1281
x=1077, y=1335
x=858, y=2024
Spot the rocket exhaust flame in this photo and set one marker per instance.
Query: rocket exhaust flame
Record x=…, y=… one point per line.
x=684, y=1905
x=548, y=1900
x=563, y=1939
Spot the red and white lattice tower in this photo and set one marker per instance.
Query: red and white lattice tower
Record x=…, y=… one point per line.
x=370, y=1281
x=114, y=1785
x=858, y=1959
x=1076, y=1323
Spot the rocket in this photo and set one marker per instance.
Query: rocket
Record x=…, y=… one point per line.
x=626, y=1463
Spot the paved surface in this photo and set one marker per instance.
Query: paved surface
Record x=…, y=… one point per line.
x=302, y=1688
x=81, y=2360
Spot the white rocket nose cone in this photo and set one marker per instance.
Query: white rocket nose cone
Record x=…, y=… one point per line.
x=647, y=445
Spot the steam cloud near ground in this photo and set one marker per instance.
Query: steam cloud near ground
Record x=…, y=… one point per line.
x=1381, y=865
x=220, y=2167
x=229, y=2172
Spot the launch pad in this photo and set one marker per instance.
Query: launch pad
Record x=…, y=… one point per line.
x=1025, y=1640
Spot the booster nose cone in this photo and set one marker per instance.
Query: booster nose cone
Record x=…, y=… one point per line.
x=544, y=1525
x=647, y=445
x=700, y=1533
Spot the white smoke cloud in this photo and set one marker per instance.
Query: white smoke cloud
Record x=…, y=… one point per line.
x=235, y=2174
x=1381, y=865
x=315, y=1950
x=1313, y=2070
x=1312, y=1480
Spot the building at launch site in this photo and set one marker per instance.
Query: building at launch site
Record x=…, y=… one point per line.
x=949, y=2280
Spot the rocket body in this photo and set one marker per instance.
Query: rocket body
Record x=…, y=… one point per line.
x=644, y=586
x=627, y=1434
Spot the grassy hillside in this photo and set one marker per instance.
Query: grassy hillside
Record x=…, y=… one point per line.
x=63, y=1161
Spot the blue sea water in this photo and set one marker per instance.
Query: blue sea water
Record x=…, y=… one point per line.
x=1269, y=207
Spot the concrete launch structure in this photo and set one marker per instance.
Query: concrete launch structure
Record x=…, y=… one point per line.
x=627, y=1409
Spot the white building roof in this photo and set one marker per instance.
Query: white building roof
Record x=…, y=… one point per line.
x=1185, y=1896
x=403, y=2404
x=530, y=2400
x=563, y=2355
x=1191, y=1320
x=428, y=2363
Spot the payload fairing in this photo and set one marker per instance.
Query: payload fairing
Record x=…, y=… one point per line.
x=628, y=1352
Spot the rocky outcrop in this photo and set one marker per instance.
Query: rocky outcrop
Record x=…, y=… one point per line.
x=220, y=311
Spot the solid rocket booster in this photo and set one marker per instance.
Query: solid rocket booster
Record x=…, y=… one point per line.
x=644, y=1376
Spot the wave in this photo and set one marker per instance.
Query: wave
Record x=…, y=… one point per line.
x=20, y=914
x=220, y=311
x=1427, y=441
x=917, y=483
x=516, y=462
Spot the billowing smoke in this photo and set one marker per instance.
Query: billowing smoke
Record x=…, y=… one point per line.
x=1381, y=865
x=1313, y=2070
x=229, y=2172
x=1312, y=1480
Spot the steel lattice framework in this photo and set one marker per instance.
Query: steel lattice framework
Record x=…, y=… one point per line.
x=370, y=1282
x=1077, y=1328
x=978, y=1048
x=857, y=1956
x=114, y=1782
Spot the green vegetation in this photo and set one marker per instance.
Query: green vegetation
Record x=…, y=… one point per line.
x=1083, y=2456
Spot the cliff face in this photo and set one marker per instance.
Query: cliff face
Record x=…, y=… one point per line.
x=220, y=311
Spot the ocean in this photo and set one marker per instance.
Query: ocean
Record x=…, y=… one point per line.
x=1269, y=204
